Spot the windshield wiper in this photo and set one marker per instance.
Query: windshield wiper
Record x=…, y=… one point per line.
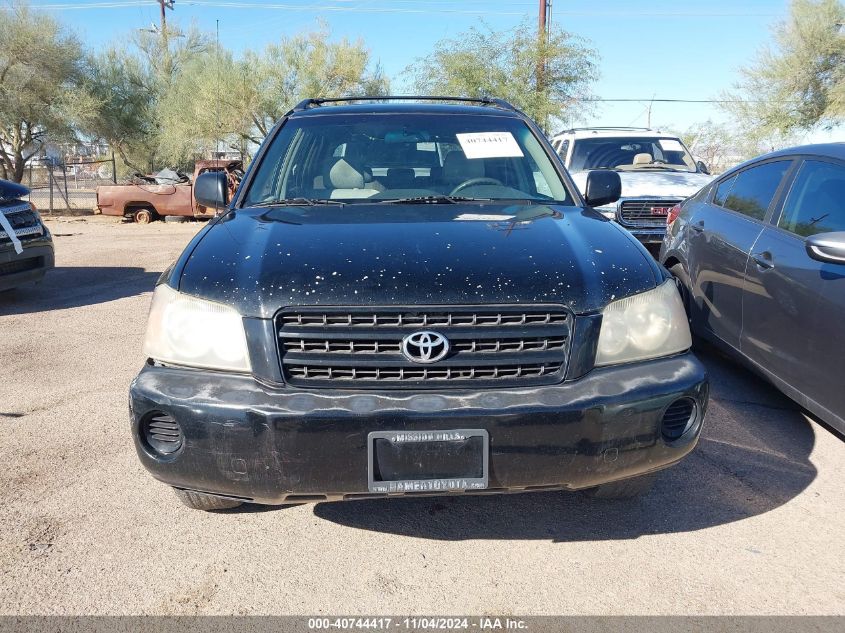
x=297, y=202
x=442, y=199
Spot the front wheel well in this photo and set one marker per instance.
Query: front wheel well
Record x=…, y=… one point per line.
x=671, y=261
x=131, y=207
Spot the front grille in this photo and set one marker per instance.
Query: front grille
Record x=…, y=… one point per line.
x=645, y=212
x=23, y=220
x=21, y=265
x=362, y=347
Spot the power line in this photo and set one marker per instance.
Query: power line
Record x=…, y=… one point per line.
x=409, y=7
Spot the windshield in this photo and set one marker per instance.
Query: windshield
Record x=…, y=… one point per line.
x=355, y=158
x=631, y=153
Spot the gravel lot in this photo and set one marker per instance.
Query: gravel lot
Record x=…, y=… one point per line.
x=751, y=523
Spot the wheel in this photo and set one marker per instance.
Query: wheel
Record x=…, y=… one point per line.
x=202, y=501
x=145, y=216
x=624, y=489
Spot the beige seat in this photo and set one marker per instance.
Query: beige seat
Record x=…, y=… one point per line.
x=643, y=158
x=348, y=182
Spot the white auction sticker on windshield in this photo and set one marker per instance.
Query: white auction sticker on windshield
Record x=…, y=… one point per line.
x=671, y=145
x=489, y=145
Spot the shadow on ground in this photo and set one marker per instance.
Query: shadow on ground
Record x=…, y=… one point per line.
x=73, y=287
x=753, y=457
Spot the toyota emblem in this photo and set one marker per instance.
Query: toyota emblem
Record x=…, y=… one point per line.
x=425, y=347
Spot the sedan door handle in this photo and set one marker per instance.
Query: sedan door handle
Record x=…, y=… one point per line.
x=763, y=260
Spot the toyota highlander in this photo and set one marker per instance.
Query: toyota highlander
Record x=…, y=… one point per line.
x=410, y=296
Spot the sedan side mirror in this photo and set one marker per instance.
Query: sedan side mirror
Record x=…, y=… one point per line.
x=211, y=189
x=603, y=187
x=702, y=167
x=827, y=247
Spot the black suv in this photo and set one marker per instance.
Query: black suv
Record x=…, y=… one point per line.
x=411, y=297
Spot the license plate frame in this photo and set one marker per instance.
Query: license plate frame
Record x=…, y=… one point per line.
x=433, y=485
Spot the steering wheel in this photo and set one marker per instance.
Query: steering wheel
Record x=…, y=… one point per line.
x=475, y=181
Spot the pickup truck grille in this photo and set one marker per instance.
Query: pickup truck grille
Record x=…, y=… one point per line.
x=24, y=222
x=642, y=212
x=362, y=347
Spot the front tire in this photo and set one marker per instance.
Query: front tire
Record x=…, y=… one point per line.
x=145, y=216
x=624, y=489
x=202, y=501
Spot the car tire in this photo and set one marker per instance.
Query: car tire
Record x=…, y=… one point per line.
x=624, y=489
x=145, y=216
x=202, y=501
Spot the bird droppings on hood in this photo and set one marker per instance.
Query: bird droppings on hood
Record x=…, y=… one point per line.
x=392, y=262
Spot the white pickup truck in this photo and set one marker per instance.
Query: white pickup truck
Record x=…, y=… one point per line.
x=656, y=169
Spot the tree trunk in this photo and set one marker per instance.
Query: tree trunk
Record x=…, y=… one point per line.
x=20, y=166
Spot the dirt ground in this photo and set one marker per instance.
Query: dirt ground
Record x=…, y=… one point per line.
x=753, y=522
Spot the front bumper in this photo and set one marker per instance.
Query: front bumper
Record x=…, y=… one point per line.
x=273, y=445
x=646, y=235
x=30, y=266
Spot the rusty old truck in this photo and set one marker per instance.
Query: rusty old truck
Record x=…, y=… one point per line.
x=146, y=198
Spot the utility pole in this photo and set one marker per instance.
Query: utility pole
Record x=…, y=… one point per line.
x=165, y=4
x=541, y=35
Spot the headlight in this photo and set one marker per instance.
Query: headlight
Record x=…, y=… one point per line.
x=185, y=330
x=648, y=325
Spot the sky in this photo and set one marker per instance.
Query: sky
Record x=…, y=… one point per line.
x=648, y=49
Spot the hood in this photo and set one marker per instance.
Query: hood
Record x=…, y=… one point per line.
x=260, y=260
x=12, y=190
x=670, y=184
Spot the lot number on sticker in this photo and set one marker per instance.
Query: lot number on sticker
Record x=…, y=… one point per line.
x=489, y=145
x=671, y=145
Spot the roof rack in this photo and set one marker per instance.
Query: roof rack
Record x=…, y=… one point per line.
x=307, y=104
x=609, y=128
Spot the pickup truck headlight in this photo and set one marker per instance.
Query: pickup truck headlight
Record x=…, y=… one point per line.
x=647, y=325
x=185, y=330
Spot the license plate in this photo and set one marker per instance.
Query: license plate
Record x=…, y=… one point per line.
x=428, y=461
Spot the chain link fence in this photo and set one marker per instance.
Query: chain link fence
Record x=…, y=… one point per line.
x=61, y=186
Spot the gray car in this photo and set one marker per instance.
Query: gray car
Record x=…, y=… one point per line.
x=760, y=253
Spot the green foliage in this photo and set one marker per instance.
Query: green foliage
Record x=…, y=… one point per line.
x=506, y=64
x=798, y=82
x=41, y=71
x=237, y=101
x=130, y=84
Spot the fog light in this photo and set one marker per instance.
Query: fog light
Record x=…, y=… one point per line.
x=161, y=433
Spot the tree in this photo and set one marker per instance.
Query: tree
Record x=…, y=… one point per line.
x=238, y=101
x=129, y=85
x=505, y=64
x=41, y=71
x=798, y=82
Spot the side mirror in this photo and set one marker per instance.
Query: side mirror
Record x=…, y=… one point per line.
x=827, y=247
x=212, y=190
x=603, y=187
x=702, y=167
